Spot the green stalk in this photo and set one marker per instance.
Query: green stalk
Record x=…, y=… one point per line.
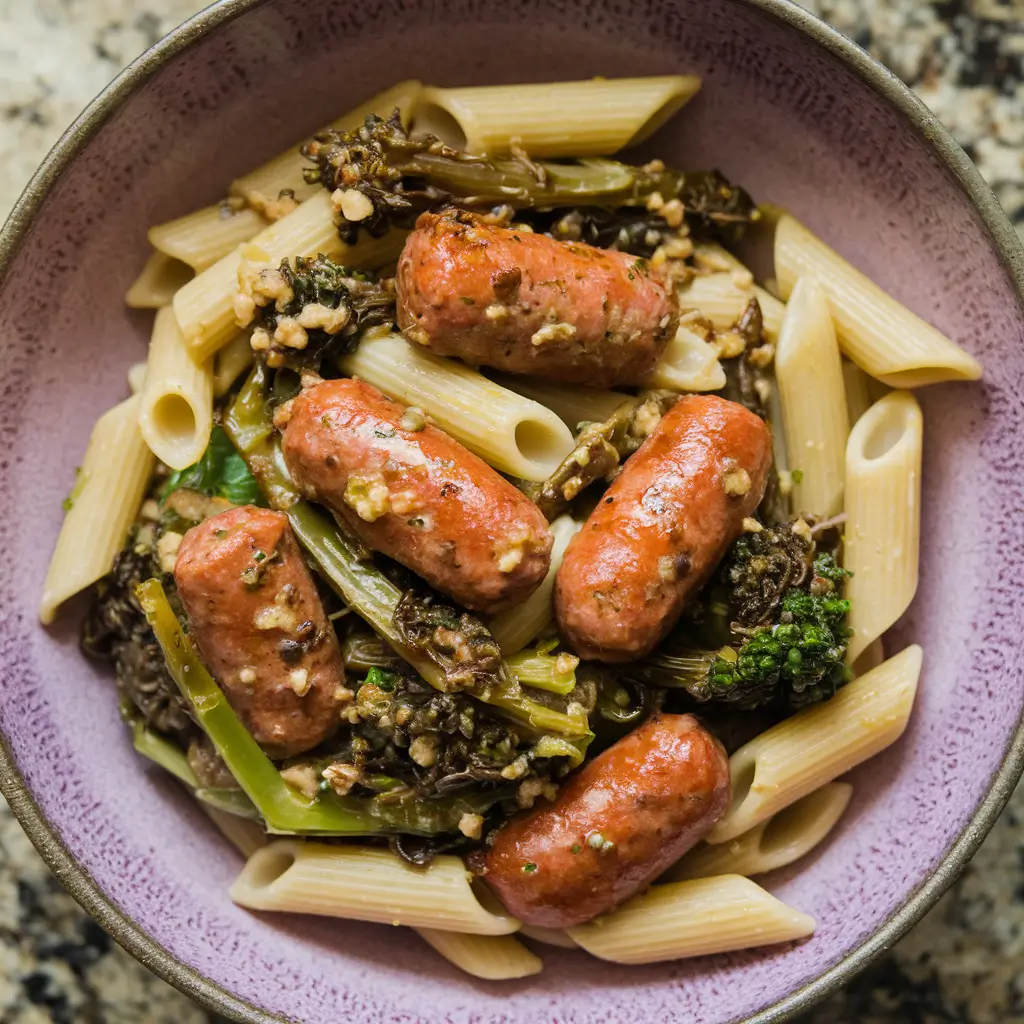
x=553, y=673
x=163, y=752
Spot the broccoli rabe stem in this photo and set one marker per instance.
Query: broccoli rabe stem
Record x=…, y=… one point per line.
x=363, y=587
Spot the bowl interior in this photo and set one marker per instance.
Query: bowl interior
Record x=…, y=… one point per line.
x=779, y=114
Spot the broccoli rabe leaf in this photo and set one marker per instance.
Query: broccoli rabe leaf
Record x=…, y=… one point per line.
x=220, y=473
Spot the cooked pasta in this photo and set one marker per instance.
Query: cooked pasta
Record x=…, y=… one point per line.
x=136, y=377
x=512, y=433
x=205, y=306
x=230, y=362
x=858, y=397
x=176, y=409
x=810, y=381
x=784, y=838
x=694, y=918
x=724, y=294
x=161, y=277
x=883, y=510
x=588, y=118
x=878, y=333
x=244, y=835
x=108, y=491
x=490, y=957
x=262, y=187
x=365, y=884
x=688, y=363
x=517, y=627
x=819, y=744
x=201, y=238
x=573, y=405
x=548, y=936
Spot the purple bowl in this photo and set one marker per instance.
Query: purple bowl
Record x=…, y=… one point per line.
x=790, y=109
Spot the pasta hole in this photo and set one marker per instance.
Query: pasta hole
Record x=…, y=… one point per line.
x=783, y=829
x=437, y=121
x=487, y=899
x=269, y=864
x=741, y=784
x=175, y=418
x=885, y=435
x=538, y=443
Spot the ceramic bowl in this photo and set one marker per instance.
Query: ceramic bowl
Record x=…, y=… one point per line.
x=796, y=114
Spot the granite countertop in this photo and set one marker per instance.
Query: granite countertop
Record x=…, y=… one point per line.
x=965, y=961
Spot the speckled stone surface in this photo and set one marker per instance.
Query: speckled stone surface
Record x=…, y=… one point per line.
x=965, y=962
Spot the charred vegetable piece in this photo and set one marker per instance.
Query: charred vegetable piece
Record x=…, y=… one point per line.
x=761, y=568
x=600, y=449
x=399, y=177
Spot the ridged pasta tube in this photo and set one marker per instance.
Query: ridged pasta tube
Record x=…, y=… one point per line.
x=781, y=840
x=512, y=433
x=723, y=294
x=176, y=408
x=365, y=884
x=588, y=118
x=688, y=363
x=819, y=744
x=809, y=373
x=883, y=516
x=157, y=283
x=858, y=397
x=230, y=362
x=489, y=957
x=201, y=238
x=878, y=333
x=694, y=918
x=572, y=403
x=106, y=497
x=548, y=936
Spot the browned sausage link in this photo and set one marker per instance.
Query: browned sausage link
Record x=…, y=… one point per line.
x=661, y=528
x=415, y=494
x=255, y=615
x=614, y=827
x=527, y=303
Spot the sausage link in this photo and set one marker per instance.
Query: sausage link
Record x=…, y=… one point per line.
x=257, y=620
x=661, y=528
x=412, y=492
x=527, y=303
x=614, y=827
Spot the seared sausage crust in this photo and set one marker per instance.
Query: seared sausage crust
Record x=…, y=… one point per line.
x=661, y=528
x=257, y=620
x=416, y=495
x=614, y=827
x=526, y=303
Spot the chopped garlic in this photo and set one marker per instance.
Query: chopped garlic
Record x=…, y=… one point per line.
x=471, y=825
x=167, y=550
x=302, y=777
x=368, y=496
x=299, y=681
x=737, y=482
x=423, y=750
x=553, y=332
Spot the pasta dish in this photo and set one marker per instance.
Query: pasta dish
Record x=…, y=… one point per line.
x=486, y=550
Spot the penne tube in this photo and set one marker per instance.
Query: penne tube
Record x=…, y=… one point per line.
x=883, y=516
x=516, y=628
x=818, y=744
x=230, y=362
x=205, y=307
x=262, y=187
x=858, y=398
x=136, y=377
x=878, y=333
x=589, y=118
x=573, y=404
x=731, y=287
x=161, y=277
x=244, y=835
x=365, y=884
x=108, y=491
x=688, y=363
x=693, y=918
x=201, y=238
x=781, y=840
x=512, y=433
x=872, y=657
x=809, y=374
x=489, y=957
x=176, y=406
x=548, y=936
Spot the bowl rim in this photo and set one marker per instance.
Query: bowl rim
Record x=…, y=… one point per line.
x=43, y=834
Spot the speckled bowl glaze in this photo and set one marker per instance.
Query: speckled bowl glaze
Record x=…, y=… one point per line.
x=789, y=109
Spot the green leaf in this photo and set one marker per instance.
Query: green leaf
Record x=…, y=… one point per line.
x=220, y=473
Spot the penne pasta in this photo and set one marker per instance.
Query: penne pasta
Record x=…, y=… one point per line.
x=512, y=433
x=489, y=957
x=262, y=187
x=201, y=238
x=244, y=835
x=818, y=744
x=548, y=936
x=872, y=656
x=693, y=918
x=781, y=840
x=589, y=118
x=878, y=333
x=883, y=510
x=813, y=395
x=723, y=295
x=108, y=491
x=365, y=884
x=136, y=377
x=230, y=362
x=205, y=307
x=176, y=406
x=161, y=277
x=689, y=363
x=858, y=398
x=573, y=404
x=516, y=628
